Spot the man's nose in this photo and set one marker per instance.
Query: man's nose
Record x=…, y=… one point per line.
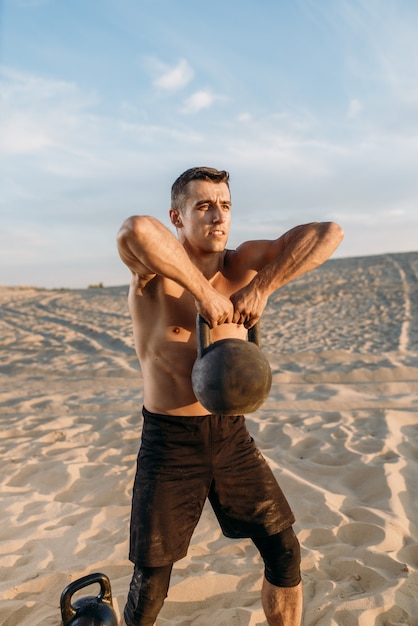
x=218, y=214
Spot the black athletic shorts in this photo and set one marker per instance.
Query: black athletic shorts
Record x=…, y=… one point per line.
x=184, y=460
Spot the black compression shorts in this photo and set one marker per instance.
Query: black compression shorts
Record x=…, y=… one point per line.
x=184, y=460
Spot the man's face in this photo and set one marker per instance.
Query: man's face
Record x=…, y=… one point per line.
x=205, y=219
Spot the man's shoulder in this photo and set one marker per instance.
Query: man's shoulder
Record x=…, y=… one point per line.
x=239, y=265
x=245, y=254
x=255, y=254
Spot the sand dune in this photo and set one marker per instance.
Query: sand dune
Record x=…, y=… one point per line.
x=340, y=430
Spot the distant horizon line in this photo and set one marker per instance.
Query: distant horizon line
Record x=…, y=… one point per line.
x=101, y=285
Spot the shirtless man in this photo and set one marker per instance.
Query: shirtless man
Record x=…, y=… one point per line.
x=187, y=455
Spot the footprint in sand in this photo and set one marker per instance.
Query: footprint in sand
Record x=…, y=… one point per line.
x=360, y=534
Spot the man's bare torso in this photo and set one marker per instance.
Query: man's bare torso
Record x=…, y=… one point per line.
x=164, y=326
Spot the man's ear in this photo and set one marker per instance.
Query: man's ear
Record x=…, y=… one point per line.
x=175, y=218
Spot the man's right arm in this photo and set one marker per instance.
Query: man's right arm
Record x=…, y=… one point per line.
x=148, y=248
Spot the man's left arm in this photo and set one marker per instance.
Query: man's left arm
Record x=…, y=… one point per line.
x=277, y=262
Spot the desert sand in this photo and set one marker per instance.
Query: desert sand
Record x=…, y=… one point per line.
x=340, y=430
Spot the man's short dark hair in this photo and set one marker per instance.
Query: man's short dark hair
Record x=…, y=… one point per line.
x=178, y=190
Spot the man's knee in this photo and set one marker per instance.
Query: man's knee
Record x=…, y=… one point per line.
x=148, y=590
x=281, y=556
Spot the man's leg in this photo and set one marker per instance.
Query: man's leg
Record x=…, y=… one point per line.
x=282, y=605
x=146, y=596
x=282, y=586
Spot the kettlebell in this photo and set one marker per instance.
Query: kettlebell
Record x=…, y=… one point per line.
x=88, y=611
x=230, y=376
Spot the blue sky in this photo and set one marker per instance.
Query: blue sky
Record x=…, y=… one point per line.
x=311, y=105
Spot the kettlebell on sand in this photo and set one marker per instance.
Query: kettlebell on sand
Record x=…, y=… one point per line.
x=230, y=376
x=88, y=611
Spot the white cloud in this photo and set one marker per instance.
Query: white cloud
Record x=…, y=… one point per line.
x=199, y=100
x=354, y=108
x=176, y=77
x=23, y=136
x=39, y=113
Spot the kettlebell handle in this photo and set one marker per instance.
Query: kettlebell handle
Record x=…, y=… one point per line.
x=67, y=609
x=203, y=335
